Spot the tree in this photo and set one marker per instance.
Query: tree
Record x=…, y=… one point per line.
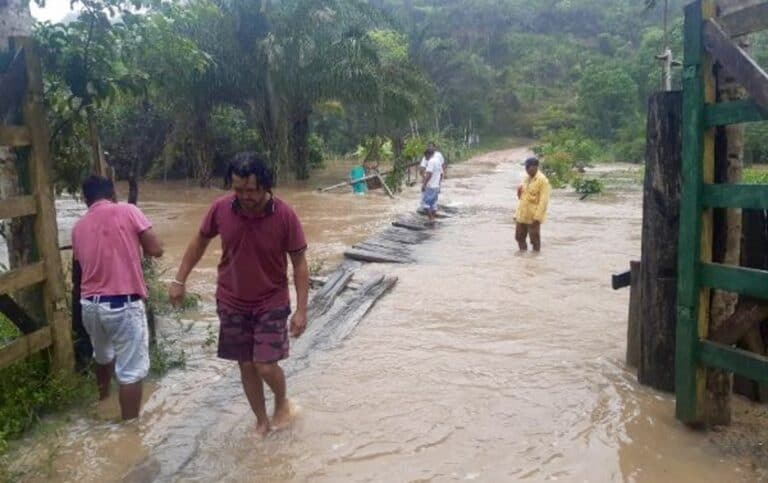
x=607, y=96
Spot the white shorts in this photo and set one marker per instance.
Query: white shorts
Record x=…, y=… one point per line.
x=119, y=334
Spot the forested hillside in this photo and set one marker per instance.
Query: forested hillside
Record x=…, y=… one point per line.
x=175, y=88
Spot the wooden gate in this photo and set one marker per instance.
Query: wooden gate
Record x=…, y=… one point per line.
x=708, y=39
x=25, y=77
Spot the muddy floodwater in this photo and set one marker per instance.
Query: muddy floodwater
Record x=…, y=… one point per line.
x=482, y=364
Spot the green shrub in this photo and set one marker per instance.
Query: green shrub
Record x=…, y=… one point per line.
x=317, y=151
x=587, y=186
x=29, y=390
x=755, y=176
x=558, y=168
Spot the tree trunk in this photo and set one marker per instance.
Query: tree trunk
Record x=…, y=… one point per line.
x=300, y=146
x=202, y=166
x=98, y=163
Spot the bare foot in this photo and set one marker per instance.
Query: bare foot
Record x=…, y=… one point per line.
x=262, y=429
x=284, y=415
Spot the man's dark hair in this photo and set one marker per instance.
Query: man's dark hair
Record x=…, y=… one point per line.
x=532, y=161
x=250, y=163
x=97, y=188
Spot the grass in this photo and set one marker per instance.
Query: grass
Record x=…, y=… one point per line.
x=755, y=175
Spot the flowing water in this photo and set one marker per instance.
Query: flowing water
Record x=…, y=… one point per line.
x=482, y=364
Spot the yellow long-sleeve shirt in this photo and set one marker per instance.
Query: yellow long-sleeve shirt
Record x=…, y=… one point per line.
x=532, y=205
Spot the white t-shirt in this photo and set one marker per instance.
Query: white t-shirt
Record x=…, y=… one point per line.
x=438, y=155
x=435, y=166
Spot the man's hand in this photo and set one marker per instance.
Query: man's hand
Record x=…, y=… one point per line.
x=536, y=223
x=176, y=293
x=519, y=192
x=298, y=323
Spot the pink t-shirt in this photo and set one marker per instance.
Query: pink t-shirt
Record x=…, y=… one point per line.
x=254, y=263
x=106, y=243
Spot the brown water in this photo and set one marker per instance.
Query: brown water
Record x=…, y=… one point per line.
x=480, y=365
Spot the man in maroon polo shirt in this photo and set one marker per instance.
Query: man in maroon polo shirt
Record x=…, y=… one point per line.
x=257, y=231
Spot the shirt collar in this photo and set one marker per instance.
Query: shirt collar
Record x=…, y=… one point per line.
x=99, y=203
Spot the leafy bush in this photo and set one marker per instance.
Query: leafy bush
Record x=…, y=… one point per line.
x=316, y=151
x=29, y=390
x=564, y=151
x=755, y=176
x=587, y=186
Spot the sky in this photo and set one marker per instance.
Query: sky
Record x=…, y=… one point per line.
x=54, y=10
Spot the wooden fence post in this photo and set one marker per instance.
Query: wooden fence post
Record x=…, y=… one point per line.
x=658, y=265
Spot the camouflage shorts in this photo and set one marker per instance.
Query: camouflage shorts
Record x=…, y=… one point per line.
x=257, y=337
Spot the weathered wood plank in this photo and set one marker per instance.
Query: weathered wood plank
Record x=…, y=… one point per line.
x=733, y=112
x=661, y=225
x=749, y=313
x=375, y=257
x=746, y=281
x=17, y=315
x=335, y=283
x=633, y=321
x=25, y=346
x=22, y=277
x=745, y=20
x=46, y=230
x=739, y=361
x=753, y=196
x=737, y=62
x=17, y=206
x=14, y=136
x=411, y=223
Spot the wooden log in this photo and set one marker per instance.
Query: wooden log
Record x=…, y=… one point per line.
x=324, y=298
x=658, y=265
x=375, y=257
x=14, y=136
x=737, y=62
x=633, y=325
x=23, y=277
x=17, y=206
x=749, y=312
x=24, y=346
x=46, y=231
x=745, y=20
x=350, y=182
x=411, y=223
x=18, y=316
x=405, y=236
x=384, y=184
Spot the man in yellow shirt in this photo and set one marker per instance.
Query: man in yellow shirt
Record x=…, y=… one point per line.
x=533, y=197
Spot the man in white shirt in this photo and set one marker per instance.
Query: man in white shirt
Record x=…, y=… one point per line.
x=437, y=155
x=430, y=188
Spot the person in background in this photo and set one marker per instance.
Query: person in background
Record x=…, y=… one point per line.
x=533, y=198
x=430, y=187
x=107, y=243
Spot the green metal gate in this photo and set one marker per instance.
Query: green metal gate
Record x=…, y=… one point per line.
x=708, y=40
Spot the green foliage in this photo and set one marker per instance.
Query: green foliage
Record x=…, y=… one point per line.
x=158, y=290
x=8, y=331
x=29, y=390
x=755, y=176
x=564, y=151
x=587, y=186
x=317, y=151
x=607, y=96
x=374, y=149
x=165, y=355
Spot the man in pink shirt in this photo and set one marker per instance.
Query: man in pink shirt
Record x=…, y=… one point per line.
x=258, y=233
x=107, y=242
